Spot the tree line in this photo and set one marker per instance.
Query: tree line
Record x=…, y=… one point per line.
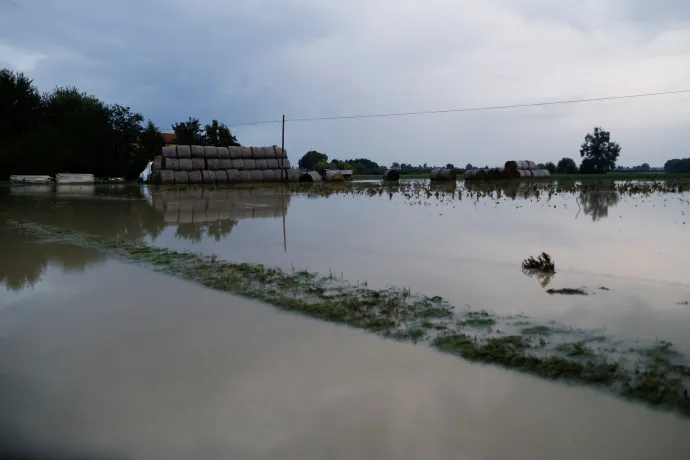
x=66, y=130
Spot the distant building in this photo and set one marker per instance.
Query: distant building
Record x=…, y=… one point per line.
x=169, y=139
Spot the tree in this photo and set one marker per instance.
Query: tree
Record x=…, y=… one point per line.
x=450, y=166
x=20, y=106
x=127, y=159
x=151, y=141
x=566, y=166
x=219, y=135
x=395, y=165
x=676, y=166
x=311, y=158
x=598, y=152
x=468, y=166
x=549, y=166
x=189, y=132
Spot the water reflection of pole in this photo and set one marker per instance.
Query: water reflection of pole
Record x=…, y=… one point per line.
x=282, y=207
x=282, y=171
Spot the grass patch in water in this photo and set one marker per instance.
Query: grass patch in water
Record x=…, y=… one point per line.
x=654, y=375
x=567, y=291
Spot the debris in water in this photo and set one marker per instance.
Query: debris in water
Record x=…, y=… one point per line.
x=567, y=291
x=543, y=263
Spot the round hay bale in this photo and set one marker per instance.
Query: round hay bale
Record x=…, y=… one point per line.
x=197, y=151
x=181, y=178
x=391, y=175
x=493, y=174
x=213, y=164
x=249, y=164
x=167, y=176
x=221, y=177
x=233, y=175
x=530, y=164
x=269, y=152
x=334, y=176
x=223, y=153
x=256, y=175
x=245, y=176
x=156, y=165
x=208, y=177
x=210, y=152
x=511, y=165
x=257, y=153
x=183, y=151
x=185, y=164
x=269, y=175
x=443, y=174
x=246, y=153
x=171, y=163
x=284, y=163
x=198, y=164
x=235, y=152
x=225, y=164
x=280, y=152
x=522, y=172
x=514, y=174
x=293, y=175
x=169, y=152
x=195, y=177
x=237, y=164
x=545, y=172
x=312, y=176
x=261, y=164
x=471, y=174
x=272, y=163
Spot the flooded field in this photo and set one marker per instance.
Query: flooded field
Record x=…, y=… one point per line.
x=100, y=356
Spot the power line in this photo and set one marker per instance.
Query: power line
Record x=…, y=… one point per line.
x=467, y=109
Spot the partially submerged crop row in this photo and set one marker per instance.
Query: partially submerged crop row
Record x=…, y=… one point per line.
x=654, y=374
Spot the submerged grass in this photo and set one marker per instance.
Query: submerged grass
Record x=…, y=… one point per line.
x=567, y=291
x=655, y=374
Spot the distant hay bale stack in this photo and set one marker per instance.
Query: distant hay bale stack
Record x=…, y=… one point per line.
x=439, y=174
x=272, y=163
x=475, y=174
x=245, y=153
x=261, y=163
x=169, y=152
x=269, y=175
x=524, y=165
x=225, y=164
x=334, y=176
x=171, y=164
x=391, y=175
x=256, y=175
x=511, y=165
x=280, y=152
x=245, y=176
x=208, y=177
x=185, y=164
x=233, y=175
x=311, y=176
x=198, y=164
x=257, y=153
x=212, y=164
x=221, y=177
x=197, y=151
x=181, y=178
x=235, y=152
x=210, y=152
x=223, y=153
x=237, y=164
x=249, y=164
x=195, y=177
x=167, y=176
x=183, y=151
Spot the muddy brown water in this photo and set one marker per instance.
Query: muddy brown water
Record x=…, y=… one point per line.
x=100, y=358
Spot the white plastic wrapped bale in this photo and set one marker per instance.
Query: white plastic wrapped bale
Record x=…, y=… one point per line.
x=238, y=164
x=225, y=164
x=245, y=176
x=235, y=152
x=272, y=164
x=212, y=164
x=183, y=151
x=284, y=163
x=280, y=152
x=210, y=152
x=223, y=153
x=311, y=176
x=167, y=176
x=233, y=175
x=260, y=164
x=172, y=164
x=208, y=177
x=197, y=151
x=169, y=152
x=198, y=164
x=268, y=152
x=67, y=178
x=249, y=164
x=256, y=175
x=30, y=179
x=181, y=178
x=245, y=153
x=293, y=175
x=184, y=164
x=269, y=175
x=221, y=177
x=257, y=153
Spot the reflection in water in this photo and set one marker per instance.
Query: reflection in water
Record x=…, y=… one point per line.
x=544, y=278
x=25, y=260
x=597, y=204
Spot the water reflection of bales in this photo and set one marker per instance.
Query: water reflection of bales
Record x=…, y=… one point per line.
x=201, y=205
x=511, y=189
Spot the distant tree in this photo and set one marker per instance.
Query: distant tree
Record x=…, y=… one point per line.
x=549, y=166
x=150, y=141
x=128, y=159
x=566, y=166
x=598, y=152
x=677, y=166
x=424, y=166
x=395, y=165
x=219, y=135
x=541, y=166
x=468, y=166
x=311, y=158
x=20, y=106
x=189, y=132
x=450, y=166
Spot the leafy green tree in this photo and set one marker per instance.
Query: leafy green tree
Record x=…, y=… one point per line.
x=566, y=166
x=468, y=166
x=219, y=135
x=450, y=166
x=395, y=165
x=676, y=166
x=127, y=158
x=189, y=132
x=311, y=158
x=20, y=106
x=598, y=152
x=150, y=141
x=549, y=166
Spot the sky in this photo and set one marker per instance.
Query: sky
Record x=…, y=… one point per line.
x=243, y=61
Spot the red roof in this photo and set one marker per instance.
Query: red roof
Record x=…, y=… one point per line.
x=168, y=138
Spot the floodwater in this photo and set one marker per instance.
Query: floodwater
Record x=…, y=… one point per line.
x=100, y=358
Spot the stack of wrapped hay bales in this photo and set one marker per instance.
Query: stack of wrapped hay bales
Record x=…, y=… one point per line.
x=525, y=168
x=197, y=164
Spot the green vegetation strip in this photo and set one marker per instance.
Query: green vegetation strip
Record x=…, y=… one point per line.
x=655, y=374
